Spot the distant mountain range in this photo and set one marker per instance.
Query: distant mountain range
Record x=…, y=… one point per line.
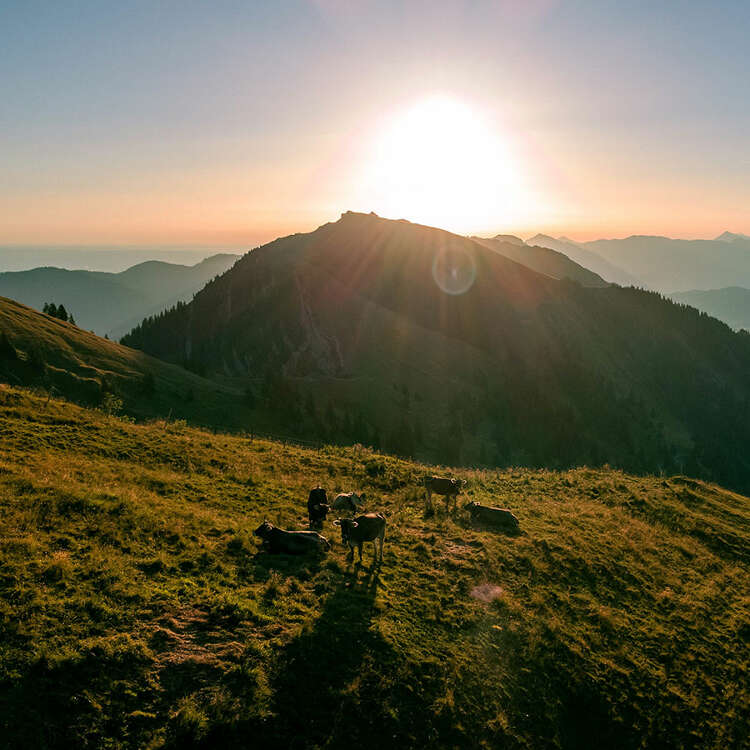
x=732, y=305
x=428, y=343
x=109, y=259
x=661, y=263
x=112, y=303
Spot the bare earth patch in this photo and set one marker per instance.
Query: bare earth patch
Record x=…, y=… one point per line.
x=486, y=592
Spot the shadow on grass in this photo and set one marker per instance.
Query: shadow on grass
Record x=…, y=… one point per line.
x=297, y=566
x=331, y=685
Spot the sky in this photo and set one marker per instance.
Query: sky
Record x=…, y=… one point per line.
x=226, y=124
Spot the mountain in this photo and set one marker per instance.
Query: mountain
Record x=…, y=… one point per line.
x=37, y=350
x=511, y=238
x=732, y=305
x=669, y=265
x=430, y=344
x=732, y=237
x=582, y=256
x=113, y=303
x=137, y=609
x=542, y=259
x=111, y=259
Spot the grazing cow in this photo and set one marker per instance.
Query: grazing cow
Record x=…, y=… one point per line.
x=350, y=501
x=450, y=488
x=317, y=507
x=491, y=515
x=364, y=528
x=291, y=542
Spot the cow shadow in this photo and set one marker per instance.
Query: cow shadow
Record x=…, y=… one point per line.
x=263, y=563
x=465, y=521
x=312, y=679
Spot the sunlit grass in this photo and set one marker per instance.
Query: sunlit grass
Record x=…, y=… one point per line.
x=136, y=609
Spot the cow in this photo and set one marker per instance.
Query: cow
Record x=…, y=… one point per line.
x=365, y=528
x=450, y=488
x=317, y=507
x=291, y=542
x=492, y=516
x=350, y=501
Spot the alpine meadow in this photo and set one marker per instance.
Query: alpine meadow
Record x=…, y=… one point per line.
x=375, y=374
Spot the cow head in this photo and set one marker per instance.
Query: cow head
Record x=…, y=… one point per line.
x=347, y=526
x=263, y=530
x=470, y=506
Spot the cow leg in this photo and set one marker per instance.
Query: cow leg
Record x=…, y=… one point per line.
x=429, y=497
x=359, y=546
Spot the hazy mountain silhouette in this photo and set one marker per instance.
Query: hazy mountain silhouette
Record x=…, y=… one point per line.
x=586, y=258
x=671, y=265
x=112, y=303
x=107, y=259
x=542, y=259
x=732, y=237
x=732, y=304
x=354, y=321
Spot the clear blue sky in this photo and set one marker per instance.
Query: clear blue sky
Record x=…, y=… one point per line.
x=232, y=122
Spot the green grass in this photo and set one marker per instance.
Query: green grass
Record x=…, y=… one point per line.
x=136, y=609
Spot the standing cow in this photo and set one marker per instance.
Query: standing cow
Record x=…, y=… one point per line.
x=350, y=501
x=449, y=488
x=365, y=528
x=317, y=507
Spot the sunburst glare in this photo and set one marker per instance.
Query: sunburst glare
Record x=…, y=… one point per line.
x=440, y=162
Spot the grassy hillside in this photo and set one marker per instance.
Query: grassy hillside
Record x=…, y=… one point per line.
x=137, y=611
x=113, y=303
x=64, y=359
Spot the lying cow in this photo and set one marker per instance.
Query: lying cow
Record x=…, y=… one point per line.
x=492, y=516
x=450, y=488
x=350, y=501
x=364, y=528
x=291, y=542
x=317, y=507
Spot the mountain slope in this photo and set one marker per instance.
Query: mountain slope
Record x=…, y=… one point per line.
x=355, y=323
x=732, y=305
x=543, y=260
x=38, y=350
x=136, y=609
x=113, y=303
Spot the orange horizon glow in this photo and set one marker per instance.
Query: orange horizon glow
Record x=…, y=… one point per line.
x=440, y=160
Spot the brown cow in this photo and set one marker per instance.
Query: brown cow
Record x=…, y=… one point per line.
x=494, y=516
x=291, y=542
x=450, y=488
x=365, y=528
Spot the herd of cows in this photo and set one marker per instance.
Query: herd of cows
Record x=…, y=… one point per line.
x=369, y=527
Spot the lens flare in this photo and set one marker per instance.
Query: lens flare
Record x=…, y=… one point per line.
x=454, y=270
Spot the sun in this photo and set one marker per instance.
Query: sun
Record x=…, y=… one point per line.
x=440, y=162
